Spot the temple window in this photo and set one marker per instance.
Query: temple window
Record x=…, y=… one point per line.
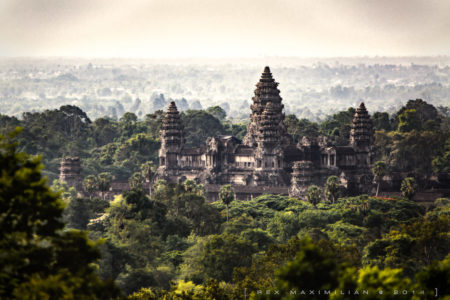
x=332, y=159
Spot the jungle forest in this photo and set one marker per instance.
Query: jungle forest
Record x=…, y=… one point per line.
x=171, y=243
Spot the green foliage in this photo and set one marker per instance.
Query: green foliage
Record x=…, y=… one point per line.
x=381, y=121
x=39, y=259
x=410, y=246
x=338, y=126
x=441, y=163
x=409, y=121
x=219, y=255
x=435, y=276
x=332, y=188
x=379, y=170
x=136, y=181
x=175, y=235
x=300, y=128
x=148, y=169
x=90, y=184
x=412, y=151
x=104, y=181
x=425, y=116
x=217, y=112
x=312, y=267
x=408, y=188
x=135, y=224
x=77, y=214
x=226, y=195
x=314, y=195
x=199, y=125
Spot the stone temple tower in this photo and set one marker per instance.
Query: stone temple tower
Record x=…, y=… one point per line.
x=70, y=172
x=266, y=132
x=361, y=137
x=266, y=92
x=172, y=138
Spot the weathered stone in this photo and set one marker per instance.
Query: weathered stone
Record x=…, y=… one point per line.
x=266, y=159
x=70, y=172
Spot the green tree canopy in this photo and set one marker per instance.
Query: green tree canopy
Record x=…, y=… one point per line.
x=217, y=111
x=332, y=188
x=379, y=170
x=38, y=259
x=314, y=194
x=408, y=188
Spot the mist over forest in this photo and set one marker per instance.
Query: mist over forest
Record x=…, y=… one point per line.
x=311, y=88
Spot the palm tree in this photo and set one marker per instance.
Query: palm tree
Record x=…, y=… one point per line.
x=104, y=182
x=90, y=184
x=148, y=171
x=408, y=188
x=379, y=170
x=226, y=194
x=313, y=195
x=332, y=188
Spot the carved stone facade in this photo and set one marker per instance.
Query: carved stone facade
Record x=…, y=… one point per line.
x=267, y=159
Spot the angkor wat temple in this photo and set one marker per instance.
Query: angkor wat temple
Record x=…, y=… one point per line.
x=267, y=160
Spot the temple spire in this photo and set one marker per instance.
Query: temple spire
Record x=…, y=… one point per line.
x=172, y=137
x=361, y=136
x=266, y=92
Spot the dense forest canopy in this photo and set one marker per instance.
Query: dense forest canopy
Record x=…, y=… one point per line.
x=175, y=245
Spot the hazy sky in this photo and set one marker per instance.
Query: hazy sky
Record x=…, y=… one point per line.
x=226, y=28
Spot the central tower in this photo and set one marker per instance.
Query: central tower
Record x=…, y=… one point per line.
x=266, y=133
x=267, y=118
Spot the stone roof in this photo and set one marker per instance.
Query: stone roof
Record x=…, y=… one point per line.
x=243, y=150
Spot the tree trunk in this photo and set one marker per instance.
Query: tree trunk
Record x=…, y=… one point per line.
x=378, y=188
x=227, y=212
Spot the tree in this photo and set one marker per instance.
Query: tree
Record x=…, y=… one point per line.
x=379, y=170
x=435, y=277
x=199, y=125
x=216, y=256
x=332, y=188
x=90, y=185
x=408, y=121
x=136, y=181
x=426, y=115
x=104, y=182
x=408, y=188
x=77, y=214
x=148, y=170
x=39, y=259
x=217, y=111
x=381, y=121
x=313, y=194
x=226, y=195
x=312, y=267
